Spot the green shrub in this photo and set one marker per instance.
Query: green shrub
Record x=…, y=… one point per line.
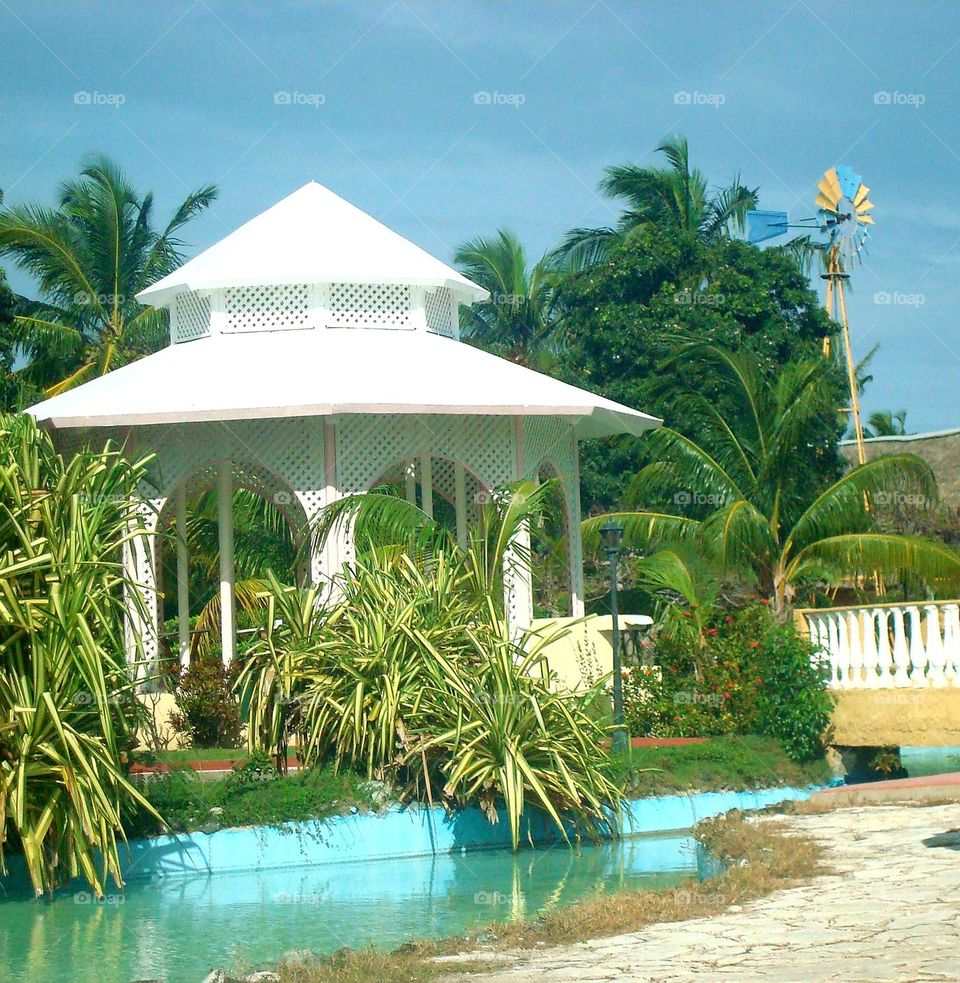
x=749, y=675
x=207, y=711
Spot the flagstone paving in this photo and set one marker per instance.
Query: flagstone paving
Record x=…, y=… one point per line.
x=889, y=911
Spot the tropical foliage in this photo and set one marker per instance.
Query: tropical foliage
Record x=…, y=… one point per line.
x=413, y=676
x=676, y=198
x=735, y=494
x=90, y=256
x=67, y=714
x=517, y=322
x=885, y=423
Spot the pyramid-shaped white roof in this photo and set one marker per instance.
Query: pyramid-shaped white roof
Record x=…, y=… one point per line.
x=311, y=236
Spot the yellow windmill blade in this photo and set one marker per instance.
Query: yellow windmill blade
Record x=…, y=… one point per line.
x=830, y=185
x=844, y=212
x=861, y=195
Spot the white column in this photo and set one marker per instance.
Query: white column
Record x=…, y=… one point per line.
x=228, y=638
x=901, y=654
x=951, y=641
x=868, y=630
x=426, y=484
x=856, y=650
x=183, y=578
x=884, y=659
x=574, y=539
x=460, y=502
x=517, y=580
x=833, y=647
x=410, y=482
x=935, y=654
x=918, y=654
x=141, y=619
x=843, y=651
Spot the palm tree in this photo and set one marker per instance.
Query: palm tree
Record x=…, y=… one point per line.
x=670, y=197
x=885, y=423
x=90, y=257
x=737, y=497
x=517, y=321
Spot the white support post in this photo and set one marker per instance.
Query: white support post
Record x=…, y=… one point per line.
x=426, y=484
x=142, y=615
x=183, y=578
x=574, y=538
x=460, y=503
x=228, y=638
x=410, y=482
x=517, y=577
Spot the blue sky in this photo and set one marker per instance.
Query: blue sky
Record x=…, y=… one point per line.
x=386, y=103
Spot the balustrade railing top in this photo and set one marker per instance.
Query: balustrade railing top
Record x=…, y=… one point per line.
x=888, y=645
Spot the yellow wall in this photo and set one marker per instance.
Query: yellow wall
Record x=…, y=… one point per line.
x=583, y=642
x=925, y=717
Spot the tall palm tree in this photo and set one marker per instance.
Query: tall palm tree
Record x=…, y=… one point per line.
x=735, y=495
x=674, y=196
x=90, y=256
x=885, y=423
x=517, y=321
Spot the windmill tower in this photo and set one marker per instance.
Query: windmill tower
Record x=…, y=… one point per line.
x=843, y=216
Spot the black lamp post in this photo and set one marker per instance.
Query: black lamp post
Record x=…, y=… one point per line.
x=612, y=533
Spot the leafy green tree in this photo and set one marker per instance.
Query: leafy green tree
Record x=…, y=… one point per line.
x=517, y=321
x=676, y=197
x=90, y=256
x=736, y=493
x=625, y=317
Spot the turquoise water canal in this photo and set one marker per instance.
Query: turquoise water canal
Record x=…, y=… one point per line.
x=178, y=929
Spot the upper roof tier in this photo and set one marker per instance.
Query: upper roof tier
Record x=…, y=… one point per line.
x=311, y=237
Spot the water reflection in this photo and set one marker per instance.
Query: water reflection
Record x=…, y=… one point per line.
x=178, y=929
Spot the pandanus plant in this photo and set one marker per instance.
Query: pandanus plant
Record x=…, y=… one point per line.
x=67, y=710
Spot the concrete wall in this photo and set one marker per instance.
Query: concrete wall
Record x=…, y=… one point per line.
x=583, y=641
x=925, y=717
x=941, y=450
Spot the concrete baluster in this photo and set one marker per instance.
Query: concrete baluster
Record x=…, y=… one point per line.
x=884, y=660
x=856, y=650
x=833, y=647
x=843, y=652
x=868, y=631
x=901, y=654
x=918, y=654
x=935, y=654
x=951, y=642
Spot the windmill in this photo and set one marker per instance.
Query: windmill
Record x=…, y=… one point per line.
x=843, y=216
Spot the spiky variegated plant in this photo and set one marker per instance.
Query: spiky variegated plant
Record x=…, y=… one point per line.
x=413, y=676
x=753, y=513
x=66, y=705
x=90, y=256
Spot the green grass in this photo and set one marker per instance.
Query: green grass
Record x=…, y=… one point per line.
x=720, y=763
x=193, y=754
x=188, y=804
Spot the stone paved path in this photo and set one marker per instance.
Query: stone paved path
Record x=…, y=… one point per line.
x=890, y=913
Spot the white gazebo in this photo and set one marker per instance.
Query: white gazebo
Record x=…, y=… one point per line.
x=315, y=353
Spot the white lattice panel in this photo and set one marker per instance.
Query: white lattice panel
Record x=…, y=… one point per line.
x=441, y=313
x=191, y=317
x=277, y=307
x=369, y=305
x=368, y=445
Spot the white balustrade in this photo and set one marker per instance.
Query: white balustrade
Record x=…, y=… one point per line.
x=890, y=645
